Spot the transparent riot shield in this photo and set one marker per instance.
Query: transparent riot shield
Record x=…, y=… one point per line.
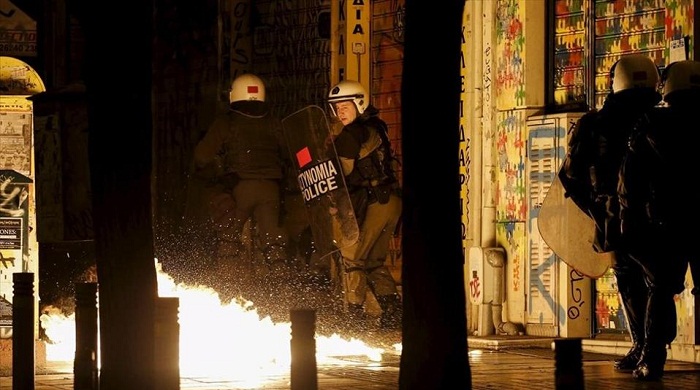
x=320, y=179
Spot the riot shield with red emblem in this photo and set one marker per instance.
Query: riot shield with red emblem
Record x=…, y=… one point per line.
x=320, y=180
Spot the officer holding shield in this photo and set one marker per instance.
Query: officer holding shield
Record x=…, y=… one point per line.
x=658, y=212
x=365, y=155
x=597, y=146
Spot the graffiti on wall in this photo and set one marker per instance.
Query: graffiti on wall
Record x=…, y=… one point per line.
x=239, y=46
x=511, y=205
x=623, y=28
x=511, y=237
x=14, y=206
x=399, y=19
x=475, y=287
x=540, y=290
x=569, y=49
x=487, y=76
x=464, y=180
x=540, y=299
x=290, y=54
x=619, y=26
x=12, y=198
x=465, y=158
x=576, y=288
x=510, y=146
x=510, y=73
x=679, y=23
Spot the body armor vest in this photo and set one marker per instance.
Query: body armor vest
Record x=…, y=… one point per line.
x=378, y=167
x=252, y=150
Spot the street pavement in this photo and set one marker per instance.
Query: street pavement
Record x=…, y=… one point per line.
x=521, y=363
x=518, y=368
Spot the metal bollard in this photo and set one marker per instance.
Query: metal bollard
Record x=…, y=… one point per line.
x=167, y=343
x=23, y=347
x=303, y=347
x=568, y=373
x=85, y=375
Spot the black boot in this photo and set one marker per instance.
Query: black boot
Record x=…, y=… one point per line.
x=634, y=296
x=651, y=364
x=630, y=360
x=661, y=316
x=391, y=311
x=636, y=329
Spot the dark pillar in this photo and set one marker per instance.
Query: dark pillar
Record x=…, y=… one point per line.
x=23, y=354
x=303, y=347
x=85, y=376
x=568, y=373
x=167, y=344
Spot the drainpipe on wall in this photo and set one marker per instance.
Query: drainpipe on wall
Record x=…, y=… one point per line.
x=479, y=286
x=496, y=258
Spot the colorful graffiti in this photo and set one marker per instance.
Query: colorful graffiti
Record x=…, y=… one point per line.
x=569, y=51
x=511, y=237
x=510, y=147
x=618, y=27
x=510, y=72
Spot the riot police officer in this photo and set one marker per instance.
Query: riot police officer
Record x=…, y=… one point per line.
x=658, y=211
x=597, y=146
x=242, y=150
x=365, y=154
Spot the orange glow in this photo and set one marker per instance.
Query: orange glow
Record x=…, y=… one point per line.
x=227, y=340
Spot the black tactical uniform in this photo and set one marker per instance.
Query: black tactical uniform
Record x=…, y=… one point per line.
x=590, y=172
x=658, y=213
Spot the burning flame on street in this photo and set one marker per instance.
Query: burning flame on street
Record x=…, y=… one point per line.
x=217, y=339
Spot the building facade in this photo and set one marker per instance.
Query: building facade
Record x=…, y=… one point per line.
x=529, y=70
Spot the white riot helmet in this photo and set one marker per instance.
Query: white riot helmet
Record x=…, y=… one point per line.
x=681, y=76
x=349, y=90
x=247, y=87
x=634, y=71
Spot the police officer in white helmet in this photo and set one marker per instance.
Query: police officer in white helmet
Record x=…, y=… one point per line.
x=597, y=146
x=366, y=157
x=242, y=153
x=658, y=210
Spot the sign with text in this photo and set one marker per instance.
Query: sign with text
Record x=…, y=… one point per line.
x=17, y=31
